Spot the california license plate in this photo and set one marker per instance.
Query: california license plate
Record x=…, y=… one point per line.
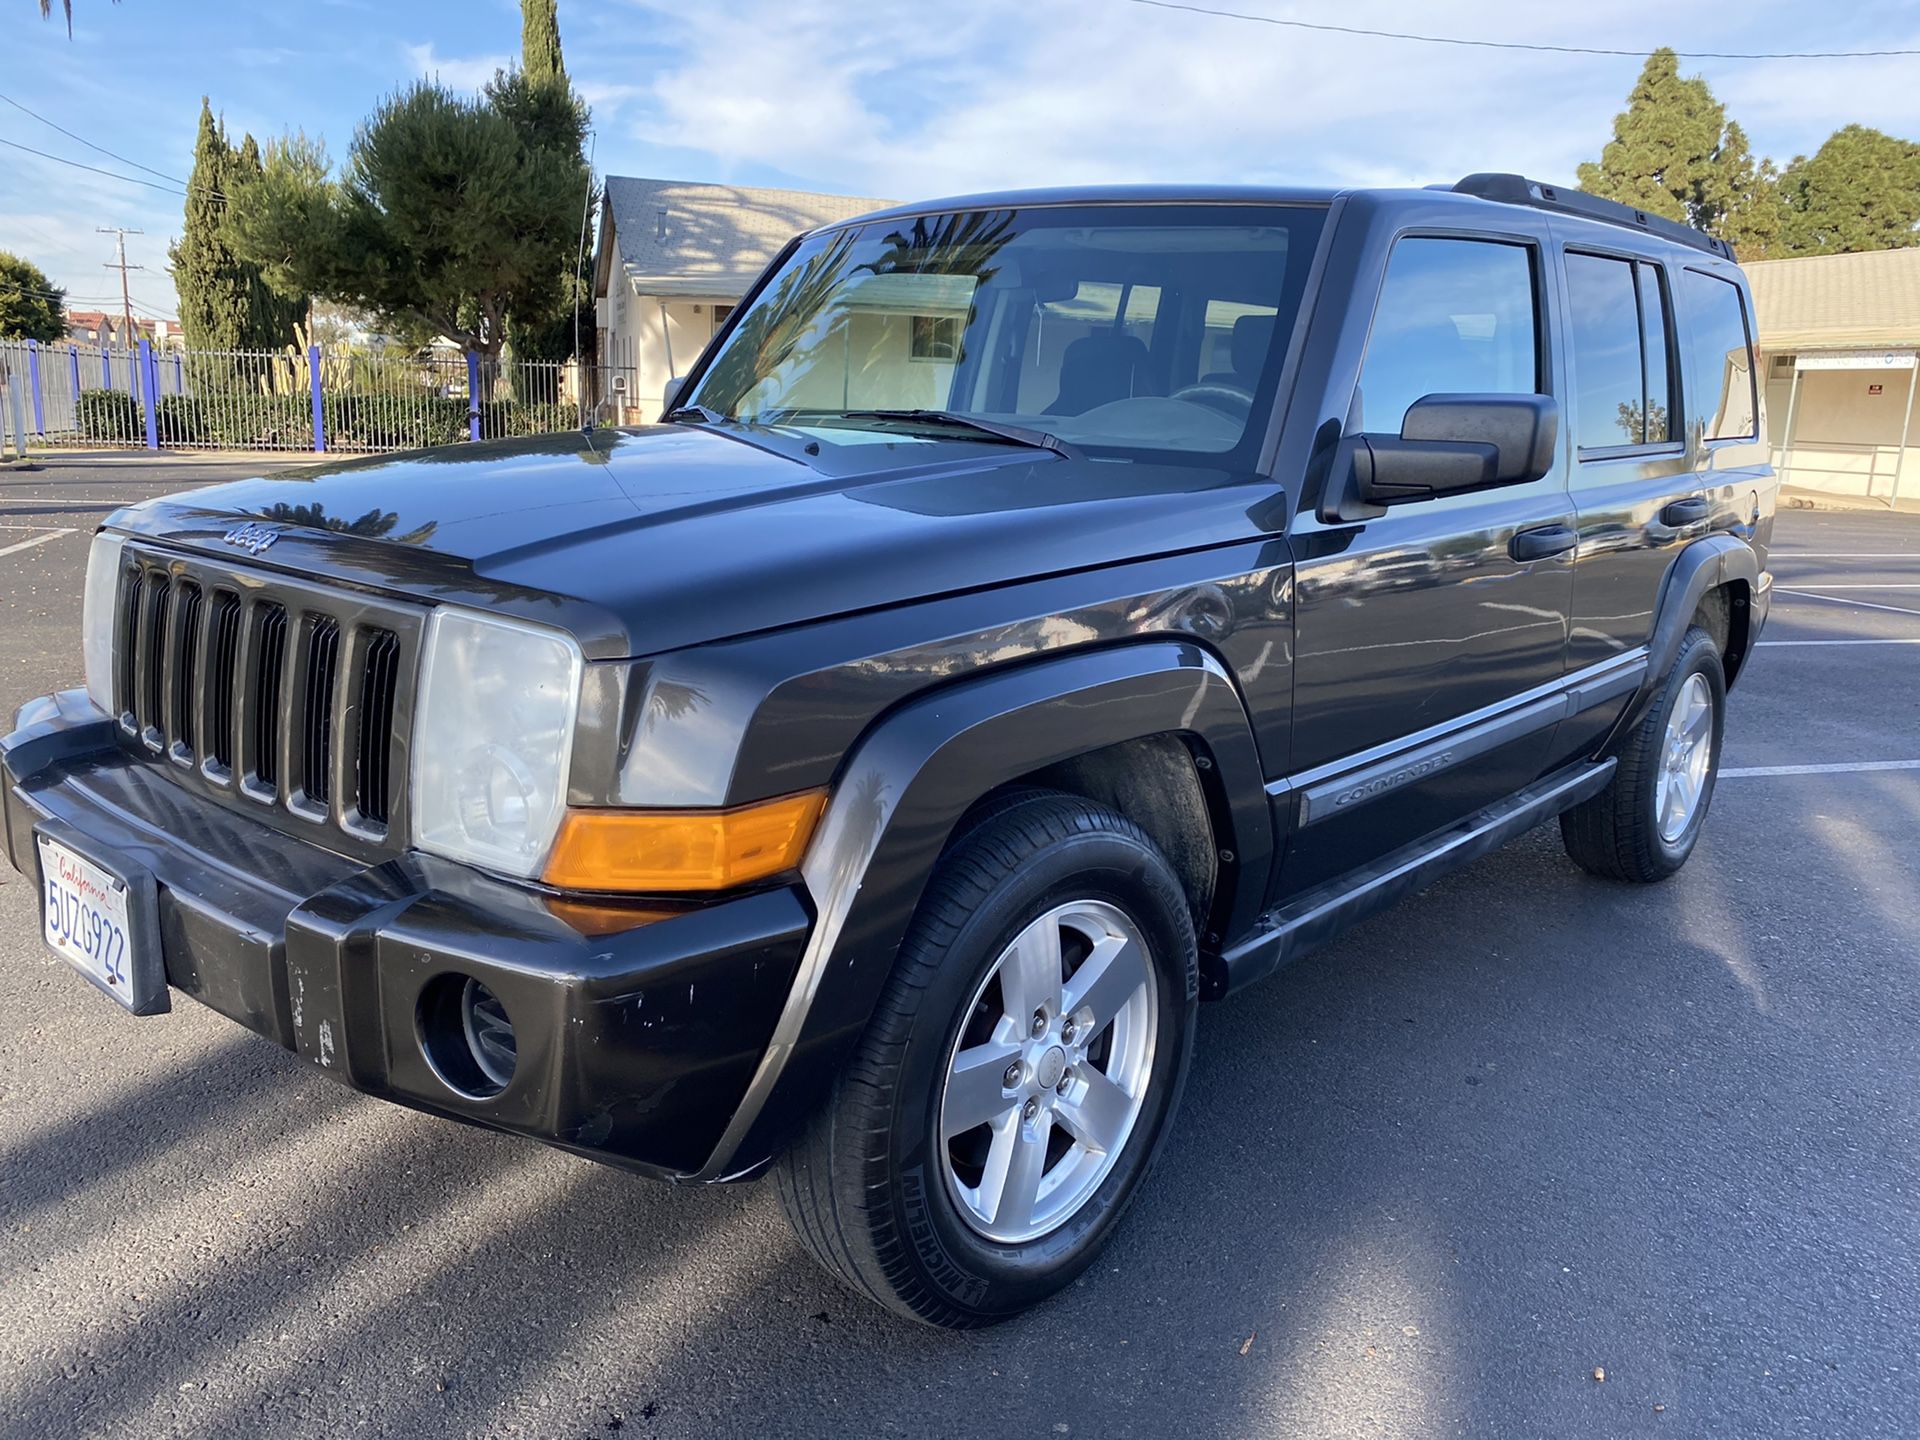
x=89, y=920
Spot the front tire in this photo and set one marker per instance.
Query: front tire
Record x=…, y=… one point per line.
x=1644, y=825
x=1018, y=1073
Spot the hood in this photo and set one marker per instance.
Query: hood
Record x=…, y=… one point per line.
x=643, y=541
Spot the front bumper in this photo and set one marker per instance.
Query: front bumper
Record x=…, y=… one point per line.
x=634, y=1047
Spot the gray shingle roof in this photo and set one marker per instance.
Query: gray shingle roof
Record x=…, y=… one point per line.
x=679, y=238
x=1871, y=299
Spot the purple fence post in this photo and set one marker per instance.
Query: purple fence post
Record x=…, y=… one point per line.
x=147, y=376
x=106, y=367
x=473, y=395
x=319, y=423
x=33, y=384
x=179, y=373
x=73, y=361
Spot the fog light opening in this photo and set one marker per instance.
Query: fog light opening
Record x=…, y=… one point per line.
x=467, y=1036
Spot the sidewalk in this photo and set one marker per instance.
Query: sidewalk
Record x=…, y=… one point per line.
x=1795, y=497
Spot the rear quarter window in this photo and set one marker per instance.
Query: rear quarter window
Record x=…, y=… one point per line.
x=1719, y=377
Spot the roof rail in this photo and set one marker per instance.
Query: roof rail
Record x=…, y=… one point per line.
x=1518, y=190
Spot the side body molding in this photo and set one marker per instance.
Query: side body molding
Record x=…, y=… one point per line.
x=913, y=777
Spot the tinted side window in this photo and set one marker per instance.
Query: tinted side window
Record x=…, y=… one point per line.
x=1720, y=392
x=1454, y=316
x=1603, y=323
x=1617, y=324
x=1657, y=337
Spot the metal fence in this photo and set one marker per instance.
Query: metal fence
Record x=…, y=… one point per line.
x=320, y=399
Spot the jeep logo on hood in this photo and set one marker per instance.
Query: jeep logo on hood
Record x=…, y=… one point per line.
x=252, y=538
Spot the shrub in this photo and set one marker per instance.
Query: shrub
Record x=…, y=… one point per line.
x=389, y=421
x=527, y=417
x=108, y=415
x=182, y=420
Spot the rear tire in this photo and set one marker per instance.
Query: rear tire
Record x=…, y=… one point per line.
x=970, y=1163
x=1644, y=825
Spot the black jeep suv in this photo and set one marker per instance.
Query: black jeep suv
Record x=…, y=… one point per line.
x=1037, y=613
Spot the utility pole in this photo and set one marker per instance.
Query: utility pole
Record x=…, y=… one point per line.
x=119, y=262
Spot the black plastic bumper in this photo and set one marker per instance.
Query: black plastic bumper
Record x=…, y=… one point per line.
x=634, y=1047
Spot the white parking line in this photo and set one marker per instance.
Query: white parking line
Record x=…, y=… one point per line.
x=1751, y=772
x=35, y=540
x=1837, y=600
x=1843, y=555
x=1874, y=585
x=1890, y=641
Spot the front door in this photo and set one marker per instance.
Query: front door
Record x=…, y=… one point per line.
x=1420, y=635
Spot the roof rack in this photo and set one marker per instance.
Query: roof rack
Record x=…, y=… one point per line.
x=1518, y=190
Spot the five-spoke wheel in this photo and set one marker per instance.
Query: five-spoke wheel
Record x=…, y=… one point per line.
x=1047, y=1075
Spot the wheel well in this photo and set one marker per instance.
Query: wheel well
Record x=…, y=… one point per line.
x=1725, y=612
x=1154, y=782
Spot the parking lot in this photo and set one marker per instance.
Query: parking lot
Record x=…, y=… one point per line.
x=1528, y=1131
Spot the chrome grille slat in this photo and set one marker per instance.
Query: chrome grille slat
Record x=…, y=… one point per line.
x=269, y=693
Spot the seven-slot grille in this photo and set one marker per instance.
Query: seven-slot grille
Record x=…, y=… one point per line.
x=278, y=696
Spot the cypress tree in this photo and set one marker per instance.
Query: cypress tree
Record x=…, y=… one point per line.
x=224, y=302
x=540, y=40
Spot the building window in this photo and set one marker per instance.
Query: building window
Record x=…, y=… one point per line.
x=935, y=337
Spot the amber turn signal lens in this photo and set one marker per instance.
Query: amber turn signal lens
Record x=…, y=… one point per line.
x=664, y=851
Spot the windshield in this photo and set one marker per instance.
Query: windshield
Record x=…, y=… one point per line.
x=1120, y=329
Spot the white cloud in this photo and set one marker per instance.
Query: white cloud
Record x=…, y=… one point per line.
x=457, y=73
x=1008, y=92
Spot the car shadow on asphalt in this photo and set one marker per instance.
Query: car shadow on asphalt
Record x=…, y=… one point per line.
x=1457, y=1148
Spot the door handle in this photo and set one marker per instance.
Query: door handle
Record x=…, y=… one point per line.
x=1682, y=513
x=1543, y=543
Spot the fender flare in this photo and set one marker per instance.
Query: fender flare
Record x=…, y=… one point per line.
x=1704, y=565
x=907, y=784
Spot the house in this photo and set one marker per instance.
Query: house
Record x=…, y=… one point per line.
x=1839, y=336
x=672, y=259
x=94, y=328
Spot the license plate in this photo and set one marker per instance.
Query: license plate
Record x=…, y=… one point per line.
x=88, y=919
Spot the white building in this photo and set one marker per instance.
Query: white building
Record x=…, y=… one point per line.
x=1840, y=335
x=672, y=259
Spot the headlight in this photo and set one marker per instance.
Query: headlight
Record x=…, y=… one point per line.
x=96, y=616
x=493, y=736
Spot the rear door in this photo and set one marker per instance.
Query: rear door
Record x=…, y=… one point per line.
x=1429, y=650
x=1661, y=382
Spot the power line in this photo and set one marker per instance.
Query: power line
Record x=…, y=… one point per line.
x=1518, y=44
x=88, y=143
x=95, y=169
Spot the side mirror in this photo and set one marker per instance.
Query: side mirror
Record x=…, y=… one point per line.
x=1447, y=444
x=670, y=393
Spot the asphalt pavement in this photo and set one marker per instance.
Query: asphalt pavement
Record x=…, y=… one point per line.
x=1526, y=1131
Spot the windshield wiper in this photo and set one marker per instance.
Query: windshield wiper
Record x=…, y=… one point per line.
x=1014, y=434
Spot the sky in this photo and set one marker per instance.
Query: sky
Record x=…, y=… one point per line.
x=905, y=100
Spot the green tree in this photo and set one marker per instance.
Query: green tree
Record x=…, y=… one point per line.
x=540, y=102
x=1665, y=145
x=225, y=302
x=540, y=40
x=1858, y=191
x=46, y=12
x=32, y=307
x=443, y=219
x=1743, y=199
